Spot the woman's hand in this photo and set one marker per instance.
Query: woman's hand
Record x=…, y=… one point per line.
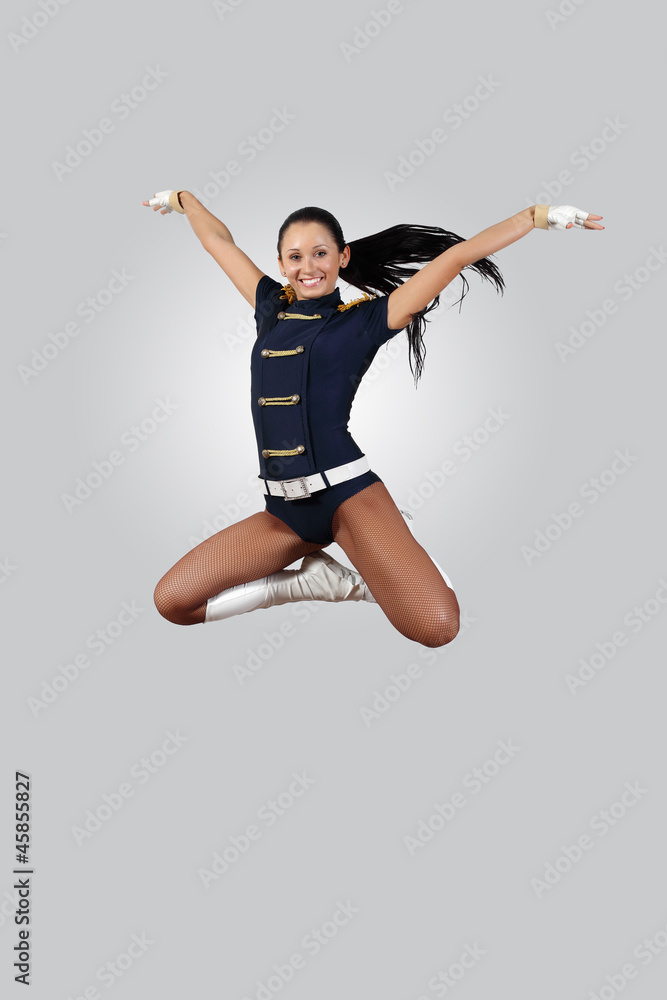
x=165, y=202
x=566, y=217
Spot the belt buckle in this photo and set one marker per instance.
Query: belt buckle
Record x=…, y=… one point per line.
x=302, y=482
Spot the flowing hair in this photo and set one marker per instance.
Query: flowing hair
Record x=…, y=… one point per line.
x=381, y=262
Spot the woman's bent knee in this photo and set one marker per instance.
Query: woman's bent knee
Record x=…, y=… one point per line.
x=170, y=609
x=439, y=631
x=441, y=636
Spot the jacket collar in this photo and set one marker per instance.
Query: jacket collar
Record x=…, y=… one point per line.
x=324, y=304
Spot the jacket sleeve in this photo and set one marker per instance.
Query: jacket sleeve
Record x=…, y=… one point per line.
x=375, y=320
x=267, y=303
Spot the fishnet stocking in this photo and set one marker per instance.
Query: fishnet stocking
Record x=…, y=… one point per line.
x=248, y=550
x=371, y=531
x=402, y=578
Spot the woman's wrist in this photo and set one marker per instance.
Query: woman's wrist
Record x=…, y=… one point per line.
x=183, y=198
x=187, y=201
x=540, y=215
x=175, y=203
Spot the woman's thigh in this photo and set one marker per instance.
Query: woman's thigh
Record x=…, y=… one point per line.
x=247, y=550
x=401, y=576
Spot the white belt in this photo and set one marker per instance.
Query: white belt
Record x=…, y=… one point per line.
x=303, y=486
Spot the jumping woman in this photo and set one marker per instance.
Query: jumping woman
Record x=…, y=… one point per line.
x=310, y=354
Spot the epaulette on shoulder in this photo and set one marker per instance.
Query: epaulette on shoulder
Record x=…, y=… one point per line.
x=289, y=294
x=355, y=302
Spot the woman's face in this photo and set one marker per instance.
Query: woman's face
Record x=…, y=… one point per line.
x=311, y=259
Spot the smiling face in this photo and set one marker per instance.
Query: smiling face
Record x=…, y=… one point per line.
x=311, y=259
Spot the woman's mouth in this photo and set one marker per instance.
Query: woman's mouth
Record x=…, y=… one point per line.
x=310, y=282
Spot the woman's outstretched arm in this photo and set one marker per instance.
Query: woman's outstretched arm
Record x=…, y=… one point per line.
x=416, y=293
x=217, y=240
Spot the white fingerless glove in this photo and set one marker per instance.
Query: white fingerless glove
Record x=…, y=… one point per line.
x=559, y=217
x=167, y=200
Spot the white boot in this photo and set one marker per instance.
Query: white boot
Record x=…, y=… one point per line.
x=320, y=578
x=408, y=519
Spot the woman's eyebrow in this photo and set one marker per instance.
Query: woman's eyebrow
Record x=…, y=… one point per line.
x=314, y=248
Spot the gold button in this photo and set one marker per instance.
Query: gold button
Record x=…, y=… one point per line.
x=261, y=401
x=300, y=450
x=300, y=349
x=265, y=353
x=296, y=398
x=265, y=453
x=281, y=315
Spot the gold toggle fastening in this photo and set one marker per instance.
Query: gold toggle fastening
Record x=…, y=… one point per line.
x=284, y=315
x=270, y=452
x=279, y=400
x=266, y=353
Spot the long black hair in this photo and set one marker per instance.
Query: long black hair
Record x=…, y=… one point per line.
x=380, y=263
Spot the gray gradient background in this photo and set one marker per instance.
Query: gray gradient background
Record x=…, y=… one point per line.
x=166, y=336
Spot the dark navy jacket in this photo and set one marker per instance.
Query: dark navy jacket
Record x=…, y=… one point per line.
x=301, y=399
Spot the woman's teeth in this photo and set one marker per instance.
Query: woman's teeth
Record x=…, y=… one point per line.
x=310, y=281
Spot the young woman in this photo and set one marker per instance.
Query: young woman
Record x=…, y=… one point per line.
x=310, y=354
